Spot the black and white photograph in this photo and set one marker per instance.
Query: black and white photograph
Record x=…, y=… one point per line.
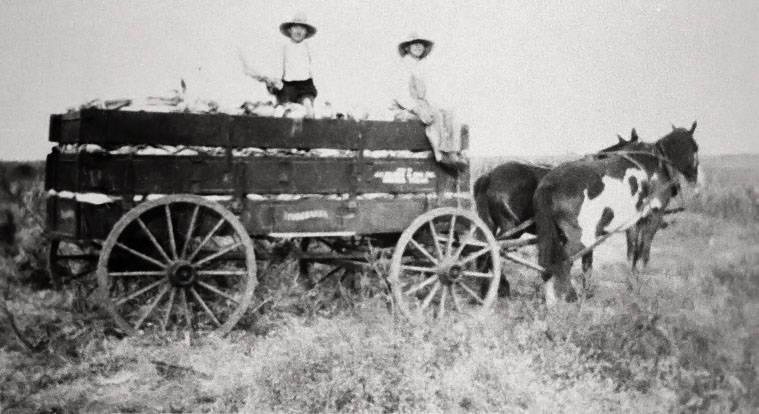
x=348, y=206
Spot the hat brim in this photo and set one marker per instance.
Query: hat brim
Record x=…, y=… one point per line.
x=285, y=28
x=428, y=44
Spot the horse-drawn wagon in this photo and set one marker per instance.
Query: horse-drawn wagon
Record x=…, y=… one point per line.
x=174, y=212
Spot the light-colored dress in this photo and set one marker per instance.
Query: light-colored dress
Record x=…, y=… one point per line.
x=414, y=92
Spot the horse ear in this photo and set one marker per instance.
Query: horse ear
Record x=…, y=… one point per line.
x=633, y=135
x=673, y=127
x=693, y=127
x=620, y=139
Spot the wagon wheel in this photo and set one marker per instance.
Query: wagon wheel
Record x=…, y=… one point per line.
x=72, y=263
x=179, y=262
x=434, y=270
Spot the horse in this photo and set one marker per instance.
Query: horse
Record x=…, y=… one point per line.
x=503, y=196
x=579, y=203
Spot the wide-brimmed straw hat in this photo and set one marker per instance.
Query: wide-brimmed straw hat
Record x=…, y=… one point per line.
x=298, y=19
x=415, y=38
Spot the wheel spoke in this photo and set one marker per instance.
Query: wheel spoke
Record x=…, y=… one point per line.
x=152, y=306
x=190, y=230
x=472, y=273
x=216, y=291
x=438, y=250
x=222, y=272
x=430, y=296
x=170, y=225
x=218, y=254
x=186, y=308
x=423, y=251
x=206, y=239
x=422, y=285
x=474, y=255
x=451, y=233
x=167, y=315
x=455, y=299
x=463, y=243
x=471, y=293
x=419, y=269
x=141, y=255
x=153, y=239
x=441, y=307
x=139, y=292
x=205, y=307
x=140, y=273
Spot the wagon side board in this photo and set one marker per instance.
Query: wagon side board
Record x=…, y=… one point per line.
x=125, y=174
x=117, y=128
x=68, y=218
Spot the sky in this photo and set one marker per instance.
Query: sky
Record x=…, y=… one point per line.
x=531, y=78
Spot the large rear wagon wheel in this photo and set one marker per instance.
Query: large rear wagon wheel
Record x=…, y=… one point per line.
x=434, y=269
x=177, y=263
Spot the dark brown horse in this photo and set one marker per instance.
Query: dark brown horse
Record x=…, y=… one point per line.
x=578, y=203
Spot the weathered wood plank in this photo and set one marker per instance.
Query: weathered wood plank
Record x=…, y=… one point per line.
x=114, y=128
x=145, y=174
x=319, y=215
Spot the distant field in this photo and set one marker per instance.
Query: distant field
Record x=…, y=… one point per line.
x=684, y=337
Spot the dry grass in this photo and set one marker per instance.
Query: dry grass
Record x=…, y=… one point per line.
x=686, y=340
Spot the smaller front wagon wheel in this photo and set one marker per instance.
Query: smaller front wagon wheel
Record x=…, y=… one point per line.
x=437, y=265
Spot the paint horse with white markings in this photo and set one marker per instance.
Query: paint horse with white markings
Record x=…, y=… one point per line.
x=580, y=203
x=503, y=197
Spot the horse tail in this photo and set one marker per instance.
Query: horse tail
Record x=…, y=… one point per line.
x=551, y=253
x=481, y=200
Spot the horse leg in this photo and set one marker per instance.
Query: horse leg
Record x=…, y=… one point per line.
x=637, y=241
x=631, y=242
x=648, y=232
x=587, y=270
x=564, y=282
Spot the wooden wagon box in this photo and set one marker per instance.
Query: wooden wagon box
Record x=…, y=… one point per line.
x=329, y=194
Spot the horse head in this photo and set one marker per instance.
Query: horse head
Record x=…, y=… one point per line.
x=680, y=150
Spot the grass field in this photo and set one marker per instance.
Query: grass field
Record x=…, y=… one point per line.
x=683, y=338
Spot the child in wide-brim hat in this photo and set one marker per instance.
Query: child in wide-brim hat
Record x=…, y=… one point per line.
x=412, y=100
x=295, y=84
x=297, y=73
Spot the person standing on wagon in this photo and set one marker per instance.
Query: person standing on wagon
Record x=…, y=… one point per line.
x=297, y=83
x=413, y=101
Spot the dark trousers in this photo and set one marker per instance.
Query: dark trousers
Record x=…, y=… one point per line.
x=295, y=91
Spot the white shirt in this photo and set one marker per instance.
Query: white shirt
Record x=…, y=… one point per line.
x=296, y=61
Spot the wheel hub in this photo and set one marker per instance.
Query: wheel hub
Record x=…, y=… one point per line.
x=449, y=274
x=182, y=274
